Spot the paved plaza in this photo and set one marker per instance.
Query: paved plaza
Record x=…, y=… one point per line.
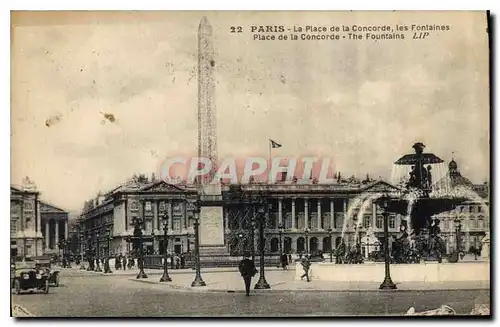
x=84, y=294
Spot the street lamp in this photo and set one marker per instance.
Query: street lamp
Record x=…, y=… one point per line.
x=90, y=257
x=458, y=227
x=241, y=248
x=82, y=239
x=331, y=250
x=138, y=234
x=68, y=261
x=198, y=281
x=98, y=239
x=280, y=227
x=387, y=284
x=307, y=241
x=252, y=225
x=165, y=277
x=262, y=212
x=60, y=249
x=107, y=269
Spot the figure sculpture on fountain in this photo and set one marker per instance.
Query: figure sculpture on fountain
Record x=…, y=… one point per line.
x=419, y=206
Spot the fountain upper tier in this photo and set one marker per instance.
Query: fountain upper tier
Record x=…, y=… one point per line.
x=419, y=157
x=416, y=200
x=425, y=207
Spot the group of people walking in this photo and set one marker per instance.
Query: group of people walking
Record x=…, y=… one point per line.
x=124, y=262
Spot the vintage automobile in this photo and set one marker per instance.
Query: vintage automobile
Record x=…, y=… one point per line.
x=29, y=277
x=46, y=264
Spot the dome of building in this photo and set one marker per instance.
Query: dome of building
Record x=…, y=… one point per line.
x=452, y=165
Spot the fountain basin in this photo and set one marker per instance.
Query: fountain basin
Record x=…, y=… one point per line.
x=400, y=273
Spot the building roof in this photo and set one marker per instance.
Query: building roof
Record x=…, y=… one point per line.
x=46, y=207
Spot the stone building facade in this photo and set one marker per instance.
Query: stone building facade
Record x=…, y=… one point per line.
x=294, y=209
x=35, y=226
x=25, y=222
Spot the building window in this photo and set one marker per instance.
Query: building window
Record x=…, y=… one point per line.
x=148, y=206
x=475, y=223
x=471, y=208
x=379, y=222
x=366, y=221
x=446, y=224
x=177, y=224
x=479, y=208
x=392, y=222
x=480, y=223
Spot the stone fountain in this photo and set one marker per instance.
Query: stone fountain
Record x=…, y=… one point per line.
x=418, y=201
x=421, y=234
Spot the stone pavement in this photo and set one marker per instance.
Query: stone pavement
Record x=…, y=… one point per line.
x=153, y=272
x=283, y=281
x=229, y=280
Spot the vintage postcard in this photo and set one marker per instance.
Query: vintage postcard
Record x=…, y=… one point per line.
x=246, y=163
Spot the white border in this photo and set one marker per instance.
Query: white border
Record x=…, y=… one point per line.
x=493, y=5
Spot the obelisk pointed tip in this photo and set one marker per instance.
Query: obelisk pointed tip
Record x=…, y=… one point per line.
x=204, y=22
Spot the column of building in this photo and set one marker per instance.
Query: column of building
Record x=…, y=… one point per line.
x=280, y=212
x=156, y=227
x=344, y=220
x=332, y=215
x=294, y=226
x=170, y=223
x=47, y=235
x=56, y=234
x=306, y=214
x=319, y=216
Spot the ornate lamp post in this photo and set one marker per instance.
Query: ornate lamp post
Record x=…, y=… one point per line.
x=198, y=281
x=90, y=257
x=98, y=240
x=82, y=239
x=280, y=227
x=60, y=250
x=306, y=232
x=241, y=249
x=138, y=234
x=107, y=268
x=387, y=284
x=153, y=236
x=331, y=247
x=68, y=261
x=262, y=212
x=165, y=277
x=458, y=227
x=252, y=225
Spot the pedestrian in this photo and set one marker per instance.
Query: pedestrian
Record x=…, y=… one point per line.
x=247, y=271
x=284, y=261
x=306, y=264
x=124, y=262
x=183, y=261
x=177, y=262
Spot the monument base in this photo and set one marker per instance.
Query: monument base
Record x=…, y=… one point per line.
x=211, y=229
x=420, y=272
x=213, y=251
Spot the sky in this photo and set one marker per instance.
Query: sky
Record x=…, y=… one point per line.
x=362, y=103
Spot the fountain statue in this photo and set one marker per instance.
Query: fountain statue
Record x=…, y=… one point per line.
x=420, y=234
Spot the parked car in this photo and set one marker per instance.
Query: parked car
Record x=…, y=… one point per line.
x=45, y=263
x=30, y=277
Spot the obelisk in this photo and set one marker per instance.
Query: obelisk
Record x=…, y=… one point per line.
x=211, y=216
